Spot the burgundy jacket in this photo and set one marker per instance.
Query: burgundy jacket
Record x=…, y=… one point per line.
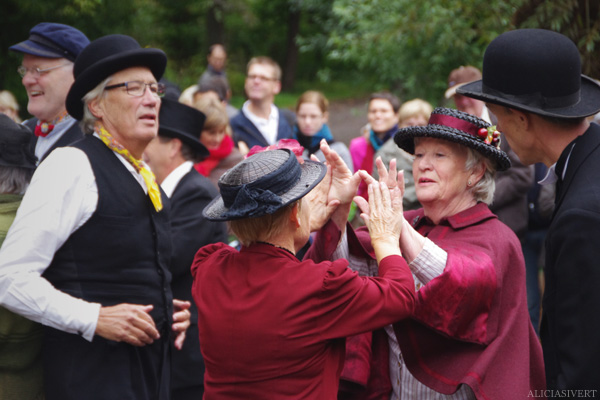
x=471, y=324
x=271, y=326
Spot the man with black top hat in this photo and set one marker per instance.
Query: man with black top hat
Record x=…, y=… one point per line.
x=47, y=72
x=88, y=254
x=172, y=155
x=532, y=82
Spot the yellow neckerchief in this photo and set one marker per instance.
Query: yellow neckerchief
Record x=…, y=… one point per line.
x=148, y=176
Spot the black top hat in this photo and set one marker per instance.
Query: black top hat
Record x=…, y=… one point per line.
x=262, y=184
x=53, y=40
x=538, y=71
x=458, y=127
x=104, y=57
x=182, y=122
x=15, y=149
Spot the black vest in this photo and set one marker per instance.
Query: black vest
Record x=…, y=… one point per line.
x=122, y=253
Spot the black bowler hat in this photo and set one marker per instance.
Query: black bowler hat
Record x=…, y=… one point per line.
x=458, y=127
x=15, y=149
x=262, y=184
x=52, y=40
x=104, y=57
x=185, y=123
x=538, y=71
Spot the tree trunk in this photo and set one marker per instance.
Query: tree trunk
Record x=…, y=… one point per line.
x=291, y=56
x=215, y=28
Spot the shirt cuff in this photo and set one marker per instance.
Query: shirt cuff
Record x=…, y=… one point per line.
x=430, y=262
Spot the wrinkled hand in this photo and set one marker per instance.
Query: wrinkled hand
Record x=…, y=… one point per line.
x=344, y=183
x=320, y=208
x=383, y=215
x=129, y=323
x=181, y=321
x=390, y=178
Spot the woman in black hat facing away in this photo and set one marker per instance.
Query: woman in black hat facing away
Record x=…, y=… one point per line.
x=470, y=335
x=88, y=253
x=272, y=326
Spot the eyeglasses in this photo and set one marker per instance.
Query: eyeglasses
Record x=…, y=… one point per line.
x=138, y=88
x=260, y=78
x=36, y=71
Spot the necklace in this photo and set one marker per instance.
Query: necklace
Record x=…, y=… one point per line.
x=279, y=247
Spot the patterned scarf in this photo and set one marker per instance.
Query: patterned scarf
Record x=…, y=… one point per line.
x=147, y=175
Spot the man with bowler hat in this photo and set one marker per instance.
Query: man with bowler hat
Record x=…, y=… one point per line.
x=172, y=155
x=532, y=82
x=88, y=254
x=47, y=72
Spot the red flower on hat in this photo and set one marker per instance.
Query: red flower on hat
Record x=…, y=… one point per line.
x=290, y=144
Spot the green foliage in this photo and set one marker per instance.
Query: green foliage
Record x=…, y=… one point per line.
x=411, y=46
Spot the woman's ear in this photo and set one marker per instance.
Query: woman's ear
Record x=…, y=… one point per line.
x=295, y=215
x=477, y=173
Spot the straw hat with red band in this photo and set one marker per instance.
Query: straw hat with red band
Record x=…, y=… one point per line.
x=458, y=127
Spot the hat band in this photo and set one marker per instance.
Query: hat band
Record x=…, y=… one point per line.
x=45, y=42
x=536, y=100
x=453, y=122
x=263, y=195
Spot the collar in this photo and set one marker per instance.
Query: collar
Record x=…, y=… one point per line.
x=173, y=179
x=478, y=213
x=273, y=115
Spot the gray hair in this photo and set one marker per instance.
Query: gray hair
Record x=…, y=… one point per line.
x=484, y=189
x=88, y=122
x=14, y=180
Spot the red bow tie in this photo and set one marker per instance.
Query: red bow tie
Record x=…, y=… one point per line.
x=43, y=129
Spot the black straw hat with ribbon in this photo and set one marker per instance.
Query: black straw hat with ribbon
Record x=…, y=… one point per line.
x=106, y=56
x=458, y=127
x=262, y=184
x=538, y=71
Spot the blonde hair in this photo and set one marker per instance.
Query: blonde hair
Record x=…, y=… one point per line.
x=215, y=112
x=313, y=97
x=8, y=100
x=263, y=228
x=414, y=108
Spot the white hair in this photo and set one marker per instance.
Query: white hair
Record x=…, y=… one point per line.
x=88, y=122
x=484, y=189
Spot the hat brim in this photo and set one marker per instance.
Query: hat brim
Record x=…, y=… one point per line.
x=36, y=49
x=312, y=173
x=154, y=59
x=452, y=90
x=404, y=138
x=194, y=143
x=589, y=103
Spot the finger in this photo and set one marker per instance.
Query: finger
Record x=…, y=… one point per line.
x=181, y=304
x=362, y=204
x=314, y=158
x=179, y=340
x=401, y=186
x=392, y=174
x=381, y=170
x=364, y=175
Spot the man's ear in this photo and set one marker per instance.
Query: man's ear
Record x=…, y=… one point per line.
x=95, y=108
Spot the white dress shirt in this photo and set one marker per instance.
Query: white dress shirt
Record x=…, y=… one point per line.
x=172, y=180
x=267, y=127
x=62, y=196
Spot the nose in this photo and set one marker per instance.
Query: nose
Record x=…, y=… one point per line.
x=150, y=98
x=28, y=79
x=422, y=163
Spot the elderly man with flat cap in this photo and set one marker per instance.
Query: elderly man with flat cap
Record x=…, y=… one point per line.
x=47, y=72
x=532, y=82
x=172, y=155
x=88, y=254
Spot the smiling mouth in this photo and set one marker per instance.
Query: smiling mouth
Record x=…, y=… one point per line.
x=426, y=180
x=35, y=93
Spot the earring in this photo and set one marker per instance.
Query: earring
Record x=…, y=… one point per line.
x=469, y=183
